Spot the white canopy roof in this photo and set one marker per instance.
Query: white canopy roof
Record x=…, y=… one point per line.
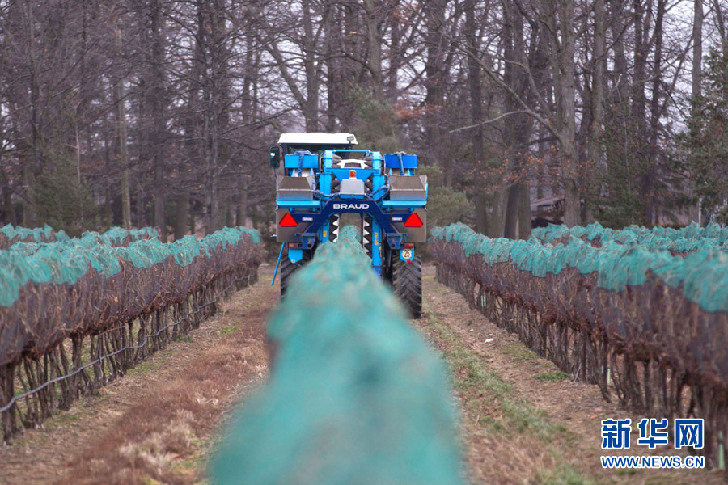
x=317, y=138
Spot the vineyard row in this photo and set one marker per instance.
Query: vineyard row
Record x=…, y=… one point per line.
x=648, y=327
x=76, y=313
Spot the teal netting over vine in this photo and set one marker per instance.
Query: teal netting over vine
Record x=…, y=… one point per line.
x=702, y=274
x=65, y=261
x=40, y=234
x=117, y=235
x=114, y=236
x=355, y=395
x=683, y=240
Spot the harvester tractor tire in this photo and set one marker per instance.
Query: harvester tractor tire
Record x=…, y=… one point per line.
x=286, y=271
x=407, y=284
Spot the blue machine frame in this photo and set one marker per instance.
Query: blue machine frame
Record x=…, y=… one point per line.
x=313, y=215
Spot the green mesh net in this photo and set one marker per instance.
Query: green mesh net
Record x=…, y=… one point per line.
x=46, y=233
x=64, y=261
x=622, y=260
x=355, y=395
x=117, y=236
x=684, y=240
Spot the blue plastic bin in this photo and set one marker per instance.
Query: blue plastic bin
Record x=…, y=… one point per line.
x=391, y=160
x=309, y=161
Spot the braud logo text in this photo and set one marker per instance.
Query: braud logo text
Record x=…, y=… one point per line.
x=351, y=207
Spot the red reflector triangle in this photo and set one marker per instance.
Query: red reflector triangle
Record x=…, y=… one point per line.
x=288, y=221
x=413, y=221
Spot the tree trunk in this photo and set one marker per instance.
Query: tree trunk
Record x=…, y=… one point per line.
x=243, y=188
x=697, y=49
x=122, y=137
x=693, y=209
x=213, y=50
x=649, y=185
x=108, y=218
x=720, y=23
x=31, y=166
x=348, y=64
x=395, y=60
x=524, y=210
x=474, y=81
x=496, y=222
x=482, y=205
x=518, y=129
x=193, y=137
x=159, y=122
x=141, y=216
x=374, y=46
x=561, y=26
x=510, y=229
x=333, y=41
x=181, y=215
x=7, y=200
x=638, y=100
x=596, y=99
x=435, y=80
x=311, y=105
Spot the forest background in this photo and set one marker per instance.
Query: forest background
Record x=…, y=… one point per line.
x=161, y=112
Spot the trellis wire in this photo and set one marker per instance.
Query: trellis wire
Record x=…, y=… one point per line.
x=39, y=374
x=55, y=380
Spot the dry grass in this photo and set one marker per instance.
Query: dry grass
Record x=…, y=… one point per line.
x=171, y=422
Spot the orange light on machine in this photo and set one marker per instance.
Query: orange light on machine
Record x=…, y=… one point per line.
x=413, y=221
x=288, y=221
x=352, y=174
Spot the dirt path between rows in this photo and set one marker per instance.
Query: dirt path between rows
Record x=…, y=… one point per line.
x=525, y=421
x=157, y=423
